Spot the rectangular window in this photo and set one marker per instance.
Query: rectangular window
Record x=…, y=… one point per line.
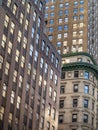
x=75, y=88
x=85, y=118
x=62, y=89
x=86, y=89
x=60, y=119
x=74, y=118
x=86, y=75
x=61, y=104
x=85, y=103
x=76, y=74
x=75, y=102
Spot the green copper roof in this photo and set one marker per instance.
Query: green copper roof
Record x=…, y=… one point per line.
x=79, y=53
x=81, y=66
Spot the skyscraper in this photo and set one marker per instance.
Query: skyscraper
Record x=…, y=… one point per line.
x=29, y=68
x=72, y=25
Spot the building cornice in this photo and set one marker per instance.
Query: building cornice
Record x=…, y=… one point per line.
x=77, y=54
x=81, y=66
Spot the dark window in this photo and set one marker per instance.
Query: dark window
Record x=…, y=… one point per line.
x=61, y=103
x=62, y=89
x=74, y=118
x=76, y=74
x=85, y=118
x=60, y=118
x=75, y=88
x=63, y=75
x=75, y=102
x=85, y=103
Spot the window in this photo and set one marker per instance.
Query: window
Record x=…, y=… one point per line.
x=12, y=97
x=6, y=22
x=48, y=125
x=60, y=13
x=36, y=56
x=53, y=113
x=75, y=10
x=85, y=118
x=1, y=61
x=60, y=119
x=74, y=117
x=41, y=62
x=60, y=5
x=14, y=9
x=66, y=19
x=58, y=44
x=51, y=21
x=81, y=10
x=81, y=2
x=62, y=89
x=7, y=66
x=53, y=128
x=4, y=39
x=50, y=91
x=43, y=46
x=28, y=8
x=86, y=75
x=60, y=20
x=52, y=14
x=50, y=37
x=75, y=3
x=63, y=75
x=1, y=112
x=52, y=7
x=9, y=3
x=55, y=79
x=51, y=74
x=66, y=4
x=34, y=16
x=75, y=18
x=31, y=50
x=55, y=96
x=92, y=105
x=76, y=74
x=37, y=38
x=57, y=63
x=39, y=21
x=85, y=103
x=46, y=68
x=86, y=89
x=75, y=88
x=22, y=61
x=21, y=18
x=26, y=24
x=59, y=28
x=75, y=102
x=4, y=90
x=18, y=102
x=12, y=28
x=59, y=36
x=42, y=123
x=51, y=29
x=19, y=37
x=9, y=47
x=81, y=17
x=66, y=12
x=61, y=104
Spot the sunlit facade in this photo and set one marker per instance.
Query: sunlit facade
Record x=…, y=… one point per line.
x=78, y=103
x=71, y=25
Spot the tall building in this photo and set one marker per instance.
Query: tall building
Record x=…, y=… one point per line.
x=29, y=68
x=72, y=25
x=78, y=107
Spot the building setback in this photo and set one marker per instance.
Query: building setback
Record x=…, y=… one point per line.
x=29, y=68
x=78, y=105
x=72, y=25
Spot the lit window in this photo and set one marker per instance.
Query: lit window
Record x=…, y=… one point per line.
x=55, y=79
x=66, y=19
x=46, y=67
x=1, y=61
x=12, y=97
x=50, y=91
x=17, y=55
x=3, y=43
x=7, y=66
x=18, y=102
x=9, y=47
x=28, y=8
x=51, y=74
x=40, y=6
x=74, y=34
x=55, y=96
x=65, y=35
x=34, y=16
x=12, y=28
x=59, y=36
x=39, y=21
x=47, y=51
x=6, y=21
x=9, y=3
x=22, y=61
x=21, y=18
x=1, y=112
x=26, y=24
x=81, y=25
x=14, y=9
x=19, y=36
x=4, y=90
x=60, y=20
x=36, y=56
x=15, y=76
